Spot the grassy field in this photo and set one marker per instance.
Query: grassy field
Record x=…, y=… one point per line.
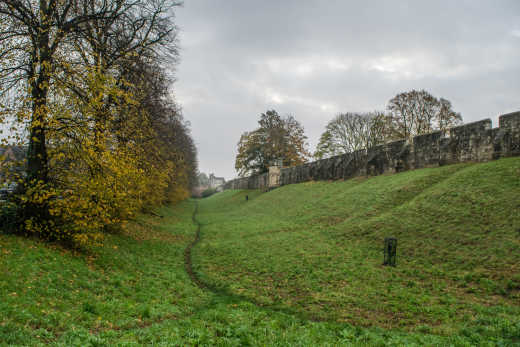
x=300, y=265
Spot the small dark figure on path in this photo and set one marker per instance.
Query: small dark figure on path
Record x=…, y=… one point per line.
x=247, y=197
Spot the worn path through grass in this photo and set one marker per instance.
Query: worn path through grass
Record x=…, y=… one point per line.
x=300, y=265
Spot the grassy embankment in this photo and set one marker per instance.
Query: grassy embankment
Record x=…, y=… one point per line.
x=298, y=265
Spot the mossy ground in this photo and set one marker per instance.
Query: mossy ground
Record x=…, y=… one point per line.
x=300, y=265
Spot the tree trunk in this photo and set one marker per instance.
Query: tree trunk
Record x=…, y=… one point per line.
x=37, y=210
x=37, y=169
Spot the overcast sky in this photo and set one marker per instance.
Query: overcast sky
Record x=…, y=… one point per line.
x=313, y=59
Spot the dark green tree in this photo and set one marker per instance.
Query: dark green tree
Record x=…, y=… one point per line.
x=276, y=138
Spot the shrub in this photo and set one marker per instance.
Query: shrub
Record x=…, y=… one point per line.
x=208, y=192
x=8, y=216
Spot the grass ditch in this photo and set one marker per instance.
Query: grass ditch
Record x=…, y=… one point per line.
x=303, y=251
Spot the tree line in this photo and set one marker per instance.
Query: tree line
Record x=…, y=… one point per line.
x=84, y=88
x=408, y=114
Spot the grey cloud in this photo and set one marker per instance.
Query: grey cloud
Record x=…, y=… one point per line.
x=315, y=58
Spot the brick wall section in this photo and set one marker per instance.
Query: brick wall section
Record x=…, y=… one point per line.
x=476, y=142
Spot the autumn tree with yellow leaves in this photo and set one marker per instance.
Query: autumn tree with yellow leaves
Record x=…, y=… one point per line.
x=83, y=89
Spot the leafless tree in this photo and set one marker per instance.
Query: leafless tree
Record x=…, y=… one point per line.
x=349, y=132
x=446, y=117
x=418, y=112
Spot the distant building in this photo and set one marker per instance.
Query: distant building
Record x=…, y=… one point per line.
x=215, y=182
x=14, y=155
x=211, y=182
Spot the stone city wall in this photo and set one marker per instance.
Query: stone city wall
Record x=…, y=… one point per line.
x=476, y=142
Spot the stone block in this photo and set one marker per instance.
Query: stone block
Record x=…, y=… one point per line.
x=509, y=120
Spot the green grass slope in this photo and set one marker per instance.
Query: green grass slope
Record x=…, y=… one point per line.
x=300, y=265
x=316, y=248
